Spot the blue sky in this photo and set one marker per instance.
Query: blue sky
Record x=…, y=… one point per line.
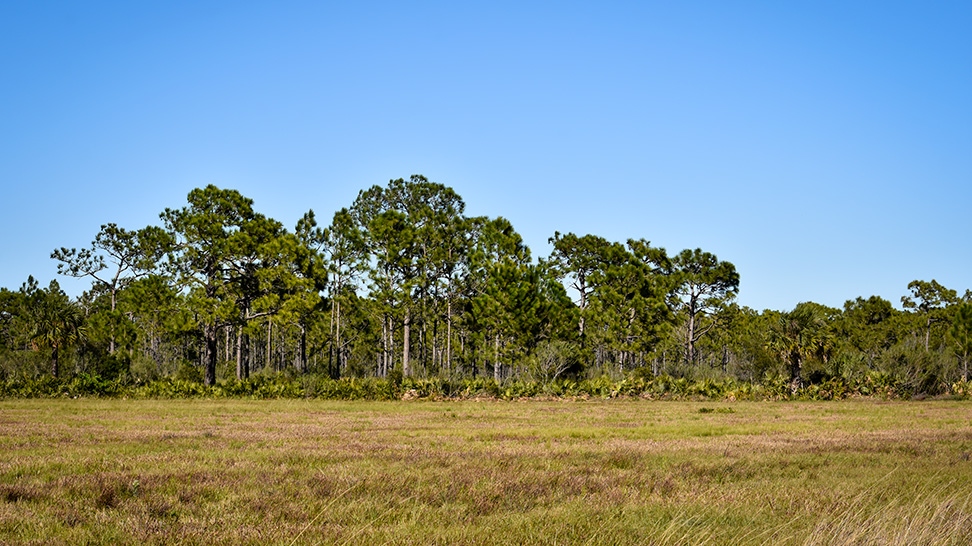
x=824, y=148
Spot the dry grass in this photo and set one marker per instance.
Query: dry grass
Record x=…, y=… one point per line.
x=592, y=472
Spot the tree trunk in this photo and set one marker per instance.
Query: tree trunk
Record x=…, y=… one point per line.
x=423, y=342
x=111, y=333
x=54, y=367
x=209, y=353
x=156, y=352
x=303, y=349
x=496, y=363
x=406, y=325
x=239, y=354
x=582, y=289
x=226, y=345
x=383, y=349
x=796, y=367
x=690, y=352
x=337, y=337
x=269, y=361
x=332, y=339
x=391, y=345
x=282, y=348
x=245, y=348
x=927, y=332
x=435, y=346
x=448, y=356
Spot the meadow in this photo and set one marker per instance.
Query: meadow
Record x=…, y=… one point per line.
x=233, y=471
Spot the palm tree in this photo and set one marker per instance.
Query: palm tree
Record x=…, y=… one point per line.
x=797, y=336
x=58, y=323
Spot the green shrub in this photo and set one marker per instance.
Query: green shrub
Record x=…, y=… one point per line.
x=188, y=372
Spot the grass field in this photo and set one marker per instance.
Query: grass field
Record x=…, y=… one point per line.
x=94, y=471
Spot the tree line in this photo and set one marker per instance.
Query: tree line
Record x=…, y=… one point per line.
x=402, y=283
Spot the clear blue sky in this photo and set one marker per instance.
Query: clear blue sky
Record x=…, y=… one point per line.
x=825, y=148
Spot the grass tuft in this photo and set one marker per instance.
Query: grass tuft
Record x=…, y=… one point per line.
x=927, y=518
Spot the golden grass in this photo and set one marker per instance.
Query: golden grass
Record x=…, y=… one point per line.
x=484, y=472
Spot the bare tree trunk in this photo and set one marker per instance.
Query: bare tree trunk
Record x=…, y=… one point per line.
x=496, y=362
x=239, y=354
x=111, y=334
x=423, y=342
x=156, y=353
x=448, y=357
x=927, y=332
x=282, y=349
x=54, y=366
x=332, y=339
x=582, y=289
x=337, y=331
x=303, y=349
x=406, y=324
x=246, y=355
x=690, y=347
x=435, y=345
x=210, y=348
x=269, y=361
x=383, y=349
x=391, y=344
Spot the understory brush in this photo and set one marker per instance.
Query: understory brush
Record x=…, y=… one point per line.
x=874, y=384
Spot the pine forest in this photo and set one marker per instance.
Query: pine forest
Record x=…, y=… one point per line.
x=401, y=293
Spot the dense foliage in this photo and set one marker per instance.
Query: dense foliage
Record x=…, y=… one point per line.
x=404, y=295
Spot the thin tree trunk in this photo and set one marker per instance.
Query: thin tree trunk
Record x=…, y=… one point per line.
x=496, y=362
x=435, y=345
x=54, y=366
x=269, y=360
x=423, y=341
x=391, y=344
x=282, y=349
x=246, y=355
x=156, y=353
x=340, y=352
x=406, y=324
x=227, y=350
x=582, y=288
x=927, y=332
x=389, y=347
x=448, y=357
x=210, y=350
x=383, y=348
x=239, y=354
x=332, y=339
x=303, y=349
x=690, y=352
x=111, y=335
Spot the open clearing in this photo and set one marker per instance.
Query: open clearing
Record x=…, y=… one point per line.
x=484, y=472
